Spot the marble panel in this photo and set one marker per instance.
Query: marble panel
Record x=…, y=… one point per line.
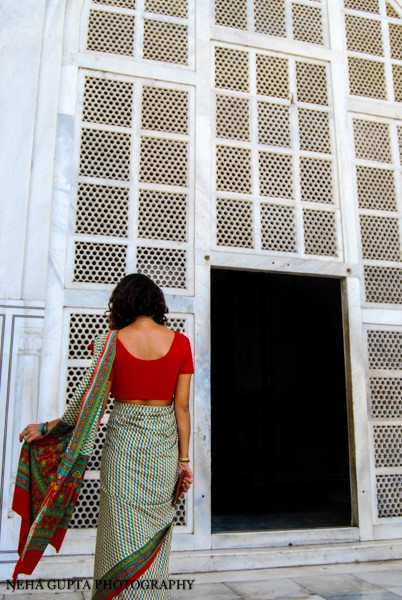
x=19, y=56
x=40, y=197
x=23, y=15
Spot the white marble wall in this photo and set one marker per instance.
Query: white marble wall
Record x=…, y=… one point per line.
x=30, y=55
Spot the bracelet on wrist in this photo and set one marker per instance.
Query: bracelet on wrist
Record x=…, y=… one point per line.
x=184, y=460
x=43, y=428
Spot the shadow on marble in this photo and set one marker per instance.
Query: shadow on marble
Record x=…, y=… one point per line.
x=204, y=591
x=269, y=589
x=377, y=594
x=43, y=595
x=385, y=579
x=330, y=585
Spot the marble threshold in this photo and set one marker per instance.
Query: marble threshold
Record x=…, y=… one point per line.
x=209, y=561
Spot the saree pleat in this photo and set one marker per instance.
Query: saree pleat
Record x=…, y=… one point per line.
x=137, y=478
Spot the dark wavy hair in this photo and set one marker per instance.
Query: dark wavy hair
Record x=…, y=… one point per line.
x=134, y=296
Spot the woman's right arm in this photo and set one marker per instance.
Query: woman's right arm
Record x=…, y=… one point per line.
x=32, y=433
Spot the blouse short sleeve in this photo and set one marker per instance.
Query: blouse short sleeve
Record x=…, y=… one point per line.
x=187, y=365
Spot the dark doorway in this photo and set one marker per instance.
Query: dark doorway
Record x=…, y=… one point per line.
x=280, y=455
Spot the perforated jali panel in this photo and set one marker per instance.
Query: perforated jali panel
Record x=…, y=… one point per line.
x=376, y=188
x=105, y=154
x=165, y=42
x=319, y=232
x=96, y=203
x=372, y=140
x=380, y=213
x=164, y=161
x=174, y=8
x=307, y=23
x=388, y=448
x=391, y=11
x=380, y=237
x=165, y=110
x=113, y=26
x=389, y=495
x=300, y=20
x=385, y=363
x=374, y=41
x=366, y=78
x=162, y=216
x=108, y=101
x=278, y=228
x=83, y=328
x=233, y=173
x=274, y=154
x=235, y=223
x=314, y=131
x=370, y=6
x=87, y=508
x=111, y=32
x=383, y=284
x=231, y=70
x=151, y=191
x=99, y=263
x=232, y=118
x=311, y=81
x=386, y=397
x=273, y=124
x=311, y=171
x=167, y=266
x=269, y=17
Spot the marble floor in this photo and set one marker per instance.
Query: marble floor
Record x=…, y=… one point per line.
x=339, y=517
x=362, y=581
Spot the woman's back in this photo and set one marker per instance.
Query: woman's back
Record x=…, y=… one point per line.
x=149, y=358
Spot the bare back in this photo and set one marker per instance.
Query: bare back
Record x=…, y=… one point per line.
x=146, y=340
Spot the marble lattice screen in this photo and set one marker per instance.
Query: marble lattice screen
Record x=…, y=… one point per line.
x=275, y=176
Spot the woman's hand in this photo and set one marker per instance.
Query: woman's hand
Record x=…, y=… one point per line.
x=30, y=433
x=188, y=479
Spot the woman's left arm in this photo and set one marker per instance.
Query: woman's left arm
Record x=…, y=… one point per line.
x=182, y=412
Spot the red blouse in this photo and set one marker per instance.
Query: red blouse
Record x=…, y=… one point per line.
x=140, y=379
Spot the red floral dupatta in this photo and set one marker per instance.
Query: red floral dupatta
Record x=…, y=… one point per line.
x=51, y=469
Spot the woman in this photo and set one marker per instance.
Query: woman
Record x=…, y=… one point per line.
x=145, y=366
